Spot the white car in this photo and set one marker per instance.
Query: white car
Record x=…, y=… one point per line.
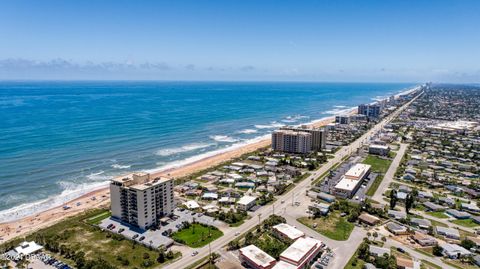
x=194, y=253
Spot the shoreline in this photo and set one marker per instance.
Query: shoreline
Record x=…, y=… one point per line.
x=99, y=197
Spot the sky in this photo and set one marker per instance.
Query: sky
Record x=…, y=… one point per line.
x=374, y=41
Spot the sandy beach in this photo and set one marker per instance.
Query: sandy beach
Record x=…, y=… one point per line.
x=100, y=198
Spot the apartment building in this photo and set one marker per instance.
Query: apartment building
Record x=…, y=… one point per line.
x=370, y=110
x=291, y=141
x=319, y=135
x=140, y=200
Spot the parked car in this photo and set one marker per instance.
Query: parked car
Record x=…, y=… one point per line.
x=135, y=236
x=141, y=238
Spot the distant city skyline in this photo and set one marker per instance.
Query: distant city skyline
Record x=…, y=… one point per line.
x=384, y=41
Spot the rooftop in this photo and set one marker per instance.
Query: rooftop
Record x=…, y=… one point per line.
x=347, y=184
x=27, y=248
x=297, y=251
x=139, y=180
x=257, y=255
x=358, y=171
x=245, y=200
x=289, y=231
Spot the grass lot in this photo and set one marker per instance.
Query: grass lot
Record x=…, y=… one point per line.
x=76, y=235
x=95, y=220
x=437, y=223
x=376, y=183
x=354, y=262
x=378, y=164
x=197, y=235
x=465, y=222
x=333, y=226
x=440, y=215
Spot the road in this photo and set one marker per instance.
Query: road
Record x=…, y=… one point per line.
x=263, y=213
x=390, y=174
x=417, y=255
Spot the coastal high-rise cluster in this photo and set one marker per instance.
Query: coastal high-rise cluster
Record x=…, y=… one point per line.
x=301, y=139
x=141, y=201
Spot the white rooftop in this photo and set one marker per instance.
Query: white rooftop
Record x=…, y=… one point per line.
x=301, y=247
x=358, y=171
x=191, y=204
x=347, y=184
x=289, y=231
x=245, y=200
x=257, y=255
x=27, y=248
x=379, y=146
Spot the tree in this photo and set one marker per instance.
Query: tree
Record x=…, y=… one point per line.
x=437, y=250
x=467, y=243
x=161, y=256
x=408, y=203
x=364, y=250
x=375, y=235
x=393, y=199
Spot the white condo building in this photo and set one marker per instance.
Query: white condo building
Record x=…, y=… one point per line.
x=140, y=200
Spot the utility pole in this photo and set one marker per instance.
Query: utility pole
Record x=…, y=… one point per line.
x=259, y=219
x=273, y=210
x=210, y=255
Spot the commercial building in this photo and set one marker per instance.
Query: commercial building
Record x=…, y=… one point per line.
x=140, y=200
x=255, y=258
x=291, y=141
x=351, y=181
x=246, y=202
x=319, y=135
x=381, y=150
x=370, y=110
x=287, y=232
x=301, y=253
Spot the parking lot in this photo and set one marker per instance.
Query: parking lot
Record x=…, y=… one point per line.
x=159, y=237
x=45, y=261
x=330, y=181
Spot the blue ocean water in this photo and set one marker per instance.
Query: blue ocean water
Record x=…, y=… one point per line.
x=59, y=140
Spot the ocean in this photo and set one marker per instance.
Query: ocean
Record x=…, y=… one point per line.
x=59, y=140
